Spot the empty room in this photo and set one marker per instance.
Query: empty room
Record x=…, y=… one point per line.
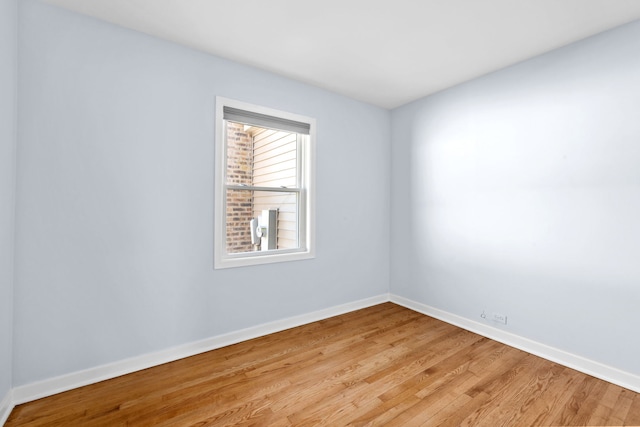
x=280, y=213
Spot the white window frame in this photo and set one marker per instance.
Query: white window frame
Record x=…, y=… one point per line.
x=306, y=199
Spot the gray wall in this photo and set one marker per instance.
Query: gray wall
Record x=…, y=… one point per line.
x=114, y=249
x=519, y=193
x=8, y=70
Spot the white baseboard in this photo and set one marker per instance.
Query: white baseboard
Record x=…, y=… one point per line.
x=37, y=390
x=48, y=387
x=579, y=363
x=6, y=406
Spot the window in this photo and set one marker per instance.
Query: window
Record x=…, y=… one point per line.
x=264, y=181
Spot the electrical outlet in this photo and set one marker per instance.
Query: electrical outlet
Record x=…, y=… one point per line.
x=500, y=318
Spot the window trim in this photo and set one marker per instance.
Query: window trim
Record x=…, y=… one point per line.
x=306, y=192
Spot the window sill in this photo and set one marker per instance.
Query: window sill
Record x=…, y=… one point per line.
x=243, y=260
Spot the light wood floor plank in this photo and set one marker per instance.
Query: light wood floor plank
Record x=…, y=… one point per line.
x=633, y=416
x=381, y=366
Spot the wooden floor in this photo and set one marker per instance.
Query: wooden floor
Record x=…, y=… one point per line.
x=384, y=365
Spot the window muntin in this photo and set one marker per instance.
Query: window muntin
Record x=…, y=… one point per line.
x=265, y=163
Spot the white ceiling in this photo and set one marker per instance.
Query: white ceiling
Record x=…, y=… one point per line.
x=384, y=52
